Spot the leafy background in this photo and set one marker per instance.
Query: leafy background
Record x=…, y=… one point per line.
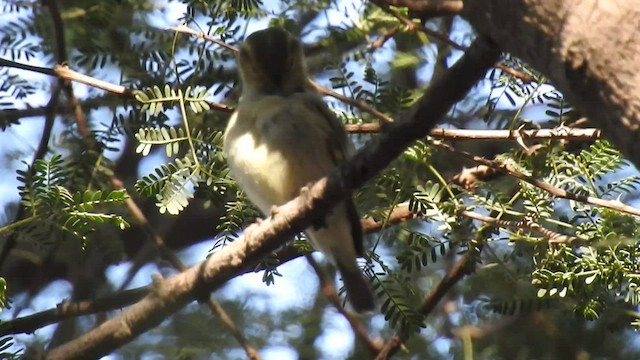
x=550, y=277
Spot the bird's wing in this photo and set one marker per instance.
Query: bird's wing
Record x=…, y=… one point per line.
x=339, y=146
x=304, y=130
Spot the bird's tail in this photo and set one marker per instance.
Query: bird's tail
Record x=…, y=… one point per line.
x=358, y=289
x=341, y=241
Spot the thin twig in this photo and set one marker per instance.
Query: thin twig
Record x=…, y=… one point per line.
x=65, y=73
x=384, y=38
x=554, y=237
x=563, y=133
x=553, y=190
x=468, y=178
x=354, y=102
x=32, y=68
x=412, y=26
x=360, y=104
x=187, y=30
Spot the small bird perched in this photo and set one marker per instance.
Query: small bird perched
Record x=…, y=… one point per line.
x=282, y=137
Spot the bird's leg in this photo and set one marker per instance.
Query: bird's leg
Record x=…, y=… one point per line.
x=274, y=211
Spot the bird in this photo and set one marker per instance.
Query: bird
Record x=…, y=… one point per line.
x=282, y=137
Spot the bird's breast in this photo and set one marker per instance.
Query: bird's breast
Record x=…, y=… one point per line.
x=274, y=146
x=260, y=170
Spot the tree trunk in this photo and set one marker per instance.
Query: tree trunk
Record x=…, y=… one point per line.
x=590, y=49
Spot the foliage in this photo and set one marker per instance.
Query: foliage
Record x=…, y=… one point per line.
x=6, y=344
x=54, y=211
x=172, y=132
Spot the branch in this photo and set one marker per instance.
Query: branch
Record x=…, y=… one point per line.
x=261, y=239
x=38, y=320
x=384, y=38
x=354, y=102
x=561, y=133
x=426, y=9
x=468, y=178
x=412, y=26
x=360, y=104
x=554, y=237
x=64, y=310
x=17, y=65
x=63, y=72
x=553, y=190
x=187, y=30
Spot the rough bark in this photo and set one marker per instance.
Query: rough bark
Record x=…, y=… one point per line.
x=590, y=49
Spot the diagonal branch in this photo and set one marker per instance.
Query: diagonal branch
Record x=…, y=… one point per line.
x=30, y=323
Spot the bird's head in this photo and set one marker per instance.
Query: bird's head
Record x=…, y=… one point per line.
x=271, y=63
